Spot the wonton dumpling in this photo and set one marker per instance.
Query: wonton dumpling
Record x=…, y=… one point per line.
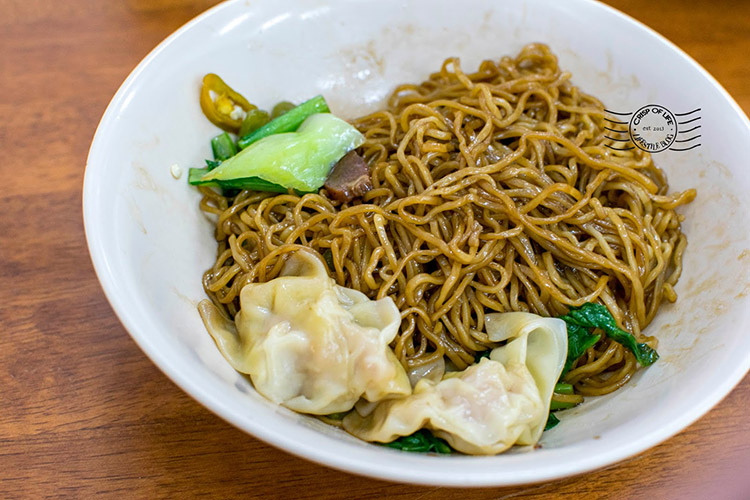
x=541, y=344
x=309, y=344
x=488, y=407
x=481, y=410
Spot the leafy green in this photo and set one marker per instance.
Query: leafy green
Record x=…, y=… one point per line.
x=579, y=339
x=482, y=354
x=552, y=421
x=211, y=164
x=300, y=160
x=328, y=257
x=422, y=441
x=337, y=416
x=590, y=316
x=195, y=177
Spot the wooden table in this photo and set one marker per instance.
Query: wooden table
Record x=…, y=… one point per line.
x=84, y=412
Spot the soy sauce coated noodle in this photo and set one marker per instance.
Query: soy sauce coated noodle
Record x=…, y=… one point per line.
x=493, y=191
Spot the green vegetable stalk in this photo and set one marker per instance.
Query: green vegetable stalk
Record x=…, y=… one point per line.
x=563, y=388
x=560, y=405
x=223, y=147
x=287, y=122
x=564, y=397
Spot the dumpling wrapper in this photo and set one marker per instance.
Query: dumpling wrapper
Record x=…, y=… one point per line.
x=541, y=344
x=433, y=370
x=309, y=344
x=489, y=406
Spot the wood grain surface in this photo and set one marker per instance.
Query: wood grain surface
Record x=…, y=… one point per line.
x=85, y=413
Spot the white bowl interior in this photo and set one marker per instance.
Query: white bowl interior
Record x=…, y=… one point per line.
x=150, y=243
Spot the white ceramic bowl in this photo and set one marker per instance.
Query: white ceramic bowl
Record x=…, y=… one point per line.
x=150, y=243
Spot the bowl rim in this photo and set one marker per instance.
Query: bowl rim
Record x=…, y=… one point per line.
x=380, y=470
